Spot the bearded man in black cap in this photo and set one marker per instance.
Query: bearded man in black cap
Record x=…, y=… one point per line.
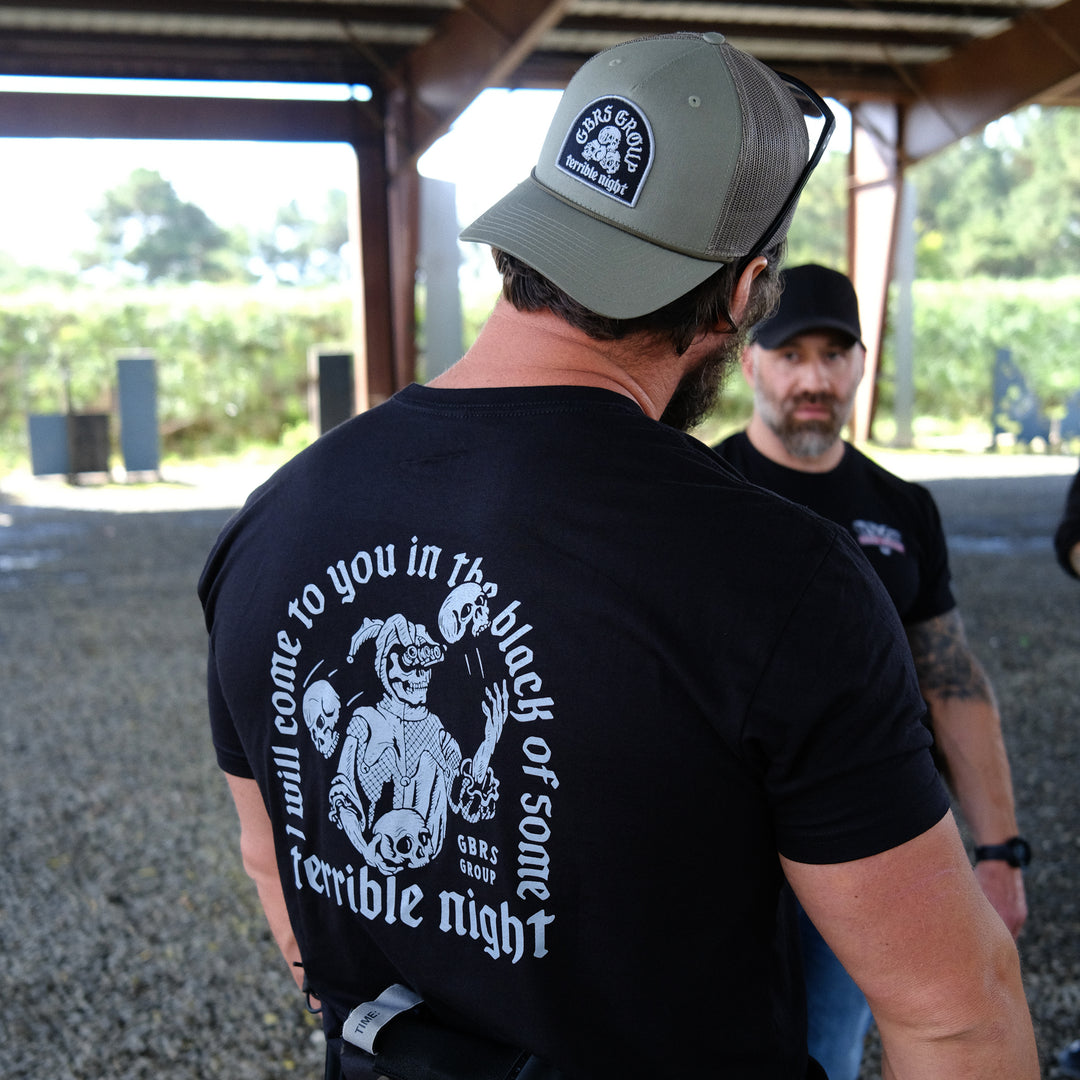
x=532, y=709
x=804, y=364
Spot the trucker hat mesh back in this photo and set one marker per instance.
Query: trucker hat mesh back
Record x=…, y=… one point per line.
x=773, y=150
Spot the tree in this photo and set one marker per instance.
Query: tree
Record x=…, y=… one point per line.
x=959, y=226
x=818, y=232
x=305, y=251
x=1043, y=204
x=1004, y=203
x=144, y=226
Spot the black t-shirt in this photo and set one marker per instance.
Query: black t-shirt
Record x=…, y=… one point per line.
x=535, y=688
x=895, y=522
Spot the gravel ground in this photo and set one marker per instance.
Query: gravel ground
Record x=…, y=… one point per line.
x=133, y=944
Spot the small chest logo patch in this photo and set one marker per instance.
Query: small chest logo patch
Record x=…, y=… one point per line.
x=609, y=147
x=883, y=537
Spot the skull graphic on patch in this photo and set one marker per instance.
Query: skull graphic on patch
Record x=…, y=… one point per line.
x=609, y=148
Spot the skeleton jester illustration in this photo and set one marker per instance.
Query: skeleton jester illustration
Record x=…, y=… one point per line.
x=400, y=771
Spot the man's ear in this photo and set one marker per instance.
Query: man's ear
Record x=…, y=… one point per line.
x=741, y=296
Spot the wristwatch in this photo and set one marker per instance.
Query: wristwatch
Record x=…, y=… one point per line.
x=1015, y=851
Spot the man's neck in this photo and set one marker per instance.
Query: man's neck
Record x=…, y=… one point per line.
x=517, y=348
x=767, y=443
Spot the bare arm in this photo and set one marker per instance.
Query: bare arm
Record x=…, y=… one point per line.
x=967, y=729
x=257, y=851
x=937, y=966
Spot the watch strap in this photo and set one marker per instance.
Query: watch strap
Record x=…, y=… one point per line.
x=1016, y=851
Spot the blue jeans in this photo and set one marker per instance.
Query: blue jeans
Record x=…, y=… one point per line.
x=838, y=1017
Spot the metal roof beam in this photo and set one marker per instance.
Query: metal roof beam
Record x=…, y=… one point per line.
x=477, y=46
x=126, y=116
x=987, y=78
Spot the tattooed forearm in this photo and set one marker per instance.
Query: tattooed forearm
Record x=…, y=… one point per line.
x=944, y=662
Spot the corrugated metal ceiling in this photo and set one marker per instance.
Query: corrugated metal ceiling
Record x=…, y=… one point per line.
x=854, y=49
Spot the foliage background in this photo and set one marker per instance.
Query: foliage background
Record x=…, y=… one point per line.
x=231, y=361
x=997, y=244
x=959, y=327
x=997, y=266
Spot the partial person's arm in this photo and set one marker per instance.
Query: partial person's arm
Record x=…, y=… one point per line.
x=936, y=964
x=967, y=730
x=1067, y=533
x=260, y=863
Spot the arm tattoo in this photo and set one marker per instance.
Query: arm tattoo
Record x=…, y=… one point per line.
x=943, y=660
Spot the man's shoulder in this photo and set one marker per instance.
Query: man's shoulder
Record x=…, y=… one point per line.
x=738, y=451
x=732, y=446
x=778, y=489
x=873, y=472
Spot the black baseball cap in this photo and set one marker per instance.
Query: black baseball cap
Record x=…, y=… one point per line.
x=814, y=298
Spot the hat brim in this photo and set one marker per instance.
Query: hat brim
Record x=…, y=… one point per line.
x=608, y=270
x=773, y=336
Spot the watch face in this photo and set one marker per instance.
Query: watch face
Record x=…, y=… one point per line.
x=1020, y=850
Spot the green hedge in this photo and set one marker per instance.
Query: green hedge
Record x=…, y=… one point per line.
x=959, y=326
x=232, y=362
x=958, y=329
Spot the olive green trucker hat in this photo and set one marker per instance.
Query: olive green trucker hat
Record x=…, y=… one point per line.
x=667, y=157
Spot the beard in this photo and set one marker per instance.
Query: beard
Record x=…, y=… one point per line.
x=803, y=438
x=699, y=389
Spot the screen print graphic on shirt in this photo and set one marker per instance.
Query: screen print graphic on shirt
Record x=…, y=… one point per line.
x=884, y=537
x=403, y=784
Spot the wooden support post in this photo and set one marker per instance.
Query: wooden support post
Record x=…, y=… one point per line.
x=875, y=176
x=375, y=351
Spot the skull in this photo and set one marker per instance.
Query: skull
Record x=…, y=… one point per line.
x=402, y=839
x=322, y=707
x=404, y=656
x=465, y=607
x=408, y=668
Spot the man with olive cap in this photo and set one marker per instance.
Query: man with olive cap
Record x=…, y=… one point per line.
x=577, y=791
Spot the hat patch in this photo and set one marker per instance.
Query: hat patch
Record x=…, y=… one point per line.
x=609, y=148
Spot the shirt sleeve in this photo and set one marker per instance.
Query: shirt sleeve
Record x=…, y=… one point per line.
x=935, y=579
x=846, y=762
x=227, y=746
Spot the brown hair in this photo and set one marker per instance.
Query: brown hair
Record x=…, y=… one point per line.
x=678, y=322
